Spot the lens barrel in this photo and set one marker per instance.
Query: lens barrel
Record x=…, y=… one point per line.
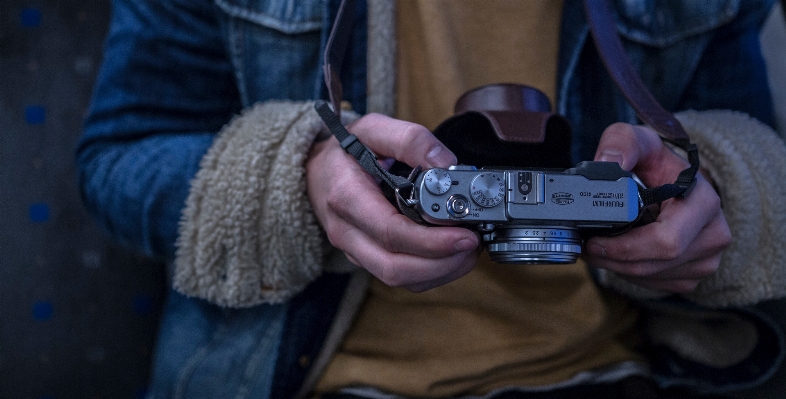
x=533, y=245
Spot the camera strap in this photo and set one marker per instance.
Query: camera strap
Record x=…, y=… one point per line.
x=616, y=61
x=335, y=53
x=368, y=160
x=607, y=42
x=350, y=143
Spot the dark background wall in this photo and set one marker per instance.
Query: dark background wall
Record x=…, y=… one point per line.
x=77, y=314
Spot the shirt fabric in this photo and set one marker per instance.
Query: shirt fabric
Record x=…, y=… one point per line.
x=501, y=325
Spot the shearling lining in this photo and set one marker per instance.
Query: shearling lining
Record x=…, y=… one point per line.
x=747, y=160
x=248, y=235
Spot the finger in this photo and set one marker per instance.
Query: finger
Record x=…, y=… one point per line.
x=663, y=271
x=464, y=266
x=676, y=286
x=396, y=233
x=701, y=261
x=684, y=278
x=405, y=141
x=640, y=149
x=678, y=224
x=626, y=144
x=360, y=203
x=405, y=270
x=354, y=214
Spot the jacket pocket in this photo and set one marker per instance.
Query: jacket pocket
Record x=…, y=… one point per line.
x=274, y=46
x=656, y=24
x=286, y=16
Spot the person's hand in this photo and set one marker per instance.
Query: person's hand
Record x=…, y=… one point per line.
x=372, y=233
x=684, y=244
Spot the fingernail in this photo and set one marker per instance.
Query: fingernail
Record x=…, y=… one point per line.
x=440, y=157
x=611, y=156
x=596, y=250
x=464, y=245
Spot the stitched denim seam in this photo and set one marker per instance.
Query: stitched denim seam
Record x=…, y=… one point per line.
x=236, y=37
x=641, y=36
x=272, y=334
x=192, y=363
x=289, y=27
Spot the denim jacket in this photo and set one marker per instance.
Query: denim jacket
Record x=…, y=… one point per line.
x=176, y=71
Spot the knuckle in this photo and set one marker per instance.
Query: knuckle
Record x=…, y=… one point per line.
x=388, y=237
x=669, y=244
x=707, y=267
x=337, y=236
x=624, y=253
x=410, y=133
x=339, y=198
x=392, y=276
x=409, y=136
x=723, y=238
x=340, y=195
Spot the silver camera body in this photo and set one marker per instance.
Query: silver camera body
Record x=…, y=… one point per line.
x=530, y=216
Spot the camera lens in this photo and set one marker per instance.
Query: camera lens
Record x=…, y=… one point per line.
x=531, y=245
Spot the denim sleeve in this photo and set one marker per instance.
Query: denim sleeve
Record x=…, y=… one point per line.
x=165, y=88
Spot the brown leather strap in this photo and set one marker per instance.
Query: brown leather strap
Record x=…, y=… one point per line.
x=609, y=46
x=336, y=50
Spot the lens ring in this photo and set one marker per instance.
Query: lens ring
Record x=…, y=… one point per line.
x=533, y=244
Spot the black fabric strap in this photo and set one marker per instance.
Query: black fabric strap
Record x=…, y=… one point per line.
x=349, y=142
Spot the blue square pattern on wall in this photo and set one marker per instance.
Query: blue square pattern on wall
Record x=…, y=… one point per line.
x=84, y=310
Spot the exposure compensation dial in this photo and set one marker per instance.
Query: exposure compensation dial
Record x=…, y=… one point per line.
x=437, y=181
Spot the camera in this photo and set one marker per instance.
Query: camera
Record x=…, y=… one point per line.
x=531, y=207
x=530, y=215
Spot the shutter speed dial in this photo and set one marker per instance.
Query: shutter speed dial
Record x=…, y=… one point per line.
x=488, y=189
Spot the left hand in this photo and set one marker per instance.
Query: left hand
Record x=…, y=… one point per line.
x=684, y=244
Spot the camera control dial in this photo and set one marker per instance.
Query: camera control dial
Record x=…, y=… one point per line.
x=488, y=189
x=458, y=206
x=437, y=181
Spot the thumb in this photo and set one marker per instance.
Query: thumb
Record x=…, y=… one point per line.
x=626, y=144
x=640, y=149
x=408, y=142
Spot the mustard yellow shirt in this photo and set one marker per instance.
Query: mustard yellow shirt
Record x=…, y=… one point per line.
x=500, y=325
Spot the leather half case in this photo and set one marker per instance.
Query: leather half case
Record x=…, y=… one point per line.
x=507, y=125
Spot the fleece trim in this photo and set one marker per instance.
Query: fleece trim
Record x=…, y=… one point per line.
x=747, y=161
x=248, y=234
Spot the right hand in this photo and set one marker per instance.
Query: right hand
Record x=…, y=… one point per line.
x=360, y=221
